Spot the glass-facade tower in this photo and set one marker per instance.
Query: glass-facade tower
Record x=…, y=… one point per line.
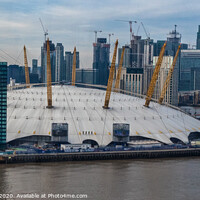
x=44, y=61
x=189, y=70
x=101, y=52
x=3, y=103
x=198, y=38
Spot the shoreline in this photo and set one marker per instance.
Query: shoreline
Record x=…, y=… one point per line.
x=106, y=155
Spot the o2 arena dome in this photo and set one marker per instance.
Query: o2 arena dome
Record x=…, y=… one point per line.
x=77, y=116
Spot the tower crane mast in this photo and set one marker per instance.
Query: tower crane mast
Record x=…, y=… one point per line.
x=167, y=81
x=155, y=76
x=110, y=79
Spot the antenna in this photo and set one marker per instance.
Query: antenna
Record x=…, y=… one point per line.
x=175, y=29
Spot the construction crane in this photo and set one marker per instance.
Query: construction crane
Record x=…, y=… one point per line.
x=131, y=29
x=119, y=71
x=95, y=32
x=155, y=76
x=138, y=29
x=49, y=87
x=147, y=34
x=45, y=31
x=26, y=69
x=110, y=79
x=74, y=68
x=167, y=81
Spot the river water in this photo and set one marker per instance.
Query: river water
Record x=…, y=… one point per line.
x=153, y=179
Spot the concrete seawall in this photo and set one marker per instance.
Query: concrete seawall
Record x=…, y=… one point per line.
x=109, y=155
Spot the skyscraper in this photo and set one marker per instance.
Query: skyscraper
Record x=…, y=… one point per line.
x=127, y=56
x=68, y=65
x=141, y=52
x=3, y=103
x=173, y=42
x=157, y=47
x=195, y=79
x=198, y=39
x=34, y=76
x=101, y=60
x=59, y=68
x=141, y=56
x=16, y=72
x=171, y=95
x=147, y=63
x=44, y=61
x=136, y=53
x=34, y=66
x=189, y=69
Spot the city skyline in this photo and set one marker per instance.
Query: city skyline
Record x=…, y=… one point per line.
x=72, y=24
x=107, y=105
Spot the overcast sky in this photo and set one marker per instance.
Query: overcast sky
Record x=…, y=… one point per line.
x=71, y=22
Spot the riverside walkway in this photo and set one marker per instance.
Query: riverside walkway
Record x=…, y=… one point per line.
x=104, y=155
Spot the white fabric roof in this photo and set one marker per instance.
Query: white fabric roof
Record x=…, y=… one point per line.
x=82, y=109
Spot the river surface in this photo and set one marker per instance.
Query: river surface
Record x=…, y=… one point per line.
x=153, y=179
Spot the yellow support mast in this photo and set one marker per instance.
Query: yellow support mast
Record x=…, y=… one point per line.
x=167, y=81
x=49, y=87
x=74, y=68
x=155, y=76
x=119, y=71
x=110, y=79
x=26, y=69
